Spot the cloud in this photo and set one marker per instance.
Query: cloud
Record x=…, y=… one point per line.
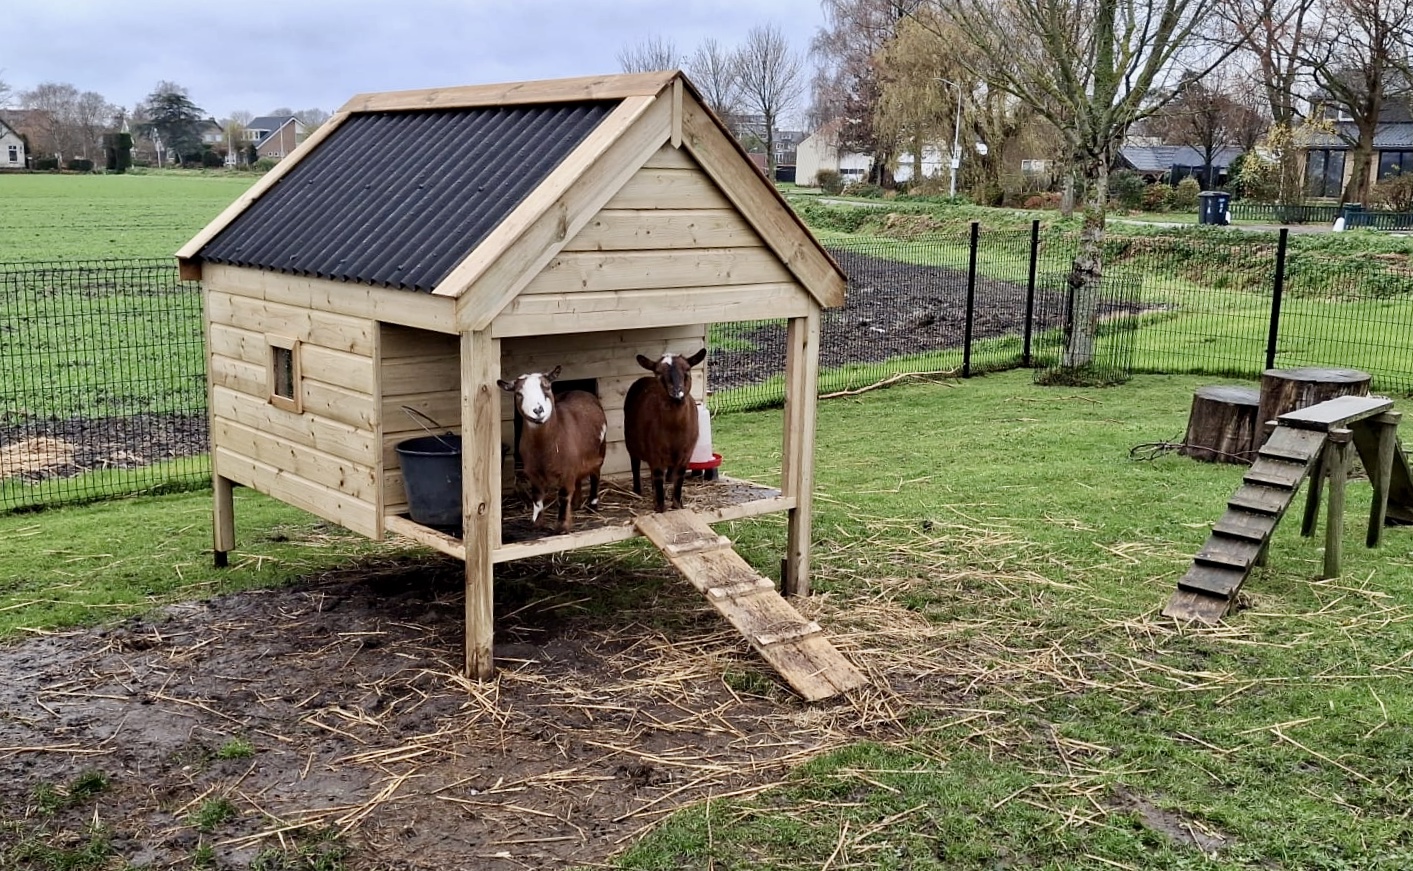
x=319, y=53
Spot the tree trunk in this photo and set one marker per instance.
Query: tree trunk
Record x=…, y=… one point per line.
x=1221, y=427
x=1087, y=272
x=1285, y=390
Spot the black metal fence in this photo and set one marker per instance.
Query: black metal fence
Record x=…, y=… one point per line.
x=102, y=379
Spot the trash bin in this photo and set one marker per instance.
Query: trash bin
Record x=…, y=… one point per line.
x=1212, y=207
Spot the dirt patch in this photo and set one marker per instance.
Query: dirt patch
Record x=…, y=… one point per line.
x=34, y=456
x=619, y=698
x=77, y=445
x=1178, y=827
x=895, y=309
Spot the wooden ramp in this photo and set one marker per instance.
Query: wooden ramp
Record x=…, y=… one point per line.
x=1302, y=444
x=793, y=646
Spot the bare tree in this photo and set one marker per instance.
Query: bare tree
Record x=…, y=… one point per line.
x=4, y=94
x=649, y=55
x=1092, y=68
x=847, y=87
x=1206, y=115
x=69, y=123
x=1365, y=59
x=772, y=82
x=713, y=71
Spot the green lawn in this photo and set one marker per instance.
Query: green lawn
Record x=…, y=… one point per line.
x=1000, y=557
x=65, y=217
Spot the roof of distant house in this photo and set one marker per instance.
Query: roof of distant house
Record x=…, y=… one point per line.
x=1162, y=158
x=1394, y=135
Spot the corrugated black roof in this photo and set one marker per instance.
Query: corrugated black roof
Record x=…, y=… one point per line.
x=400, y=198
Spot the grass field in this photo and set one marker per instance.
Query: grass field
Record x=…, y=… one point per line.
x=54, y=218
x=1021, y=553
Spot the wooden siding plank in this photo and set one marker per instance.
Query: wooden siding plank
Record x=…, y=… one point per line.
x=408, y=307
x=761, y=204
x=549, y=313
x=358, y=480
x=674, y=229
x=349, y=371
x=407, y=375
x=358, y=410
x=579, y=271
x=686, y=188
x=670, y=156
x=238, y=375
x=329, y=436
x=325, y=329
x=554, y=212
x=396, y=342
x=321, y=501
x=570, y=90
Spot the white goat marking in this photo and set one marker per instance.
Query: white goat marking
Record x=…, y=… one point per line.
x=603, y=432
x=534, y=404
x=535, y=510
x=667, y=359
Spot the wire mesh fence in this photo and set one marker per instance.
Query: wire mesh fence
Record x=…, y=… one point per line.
x=102, y=380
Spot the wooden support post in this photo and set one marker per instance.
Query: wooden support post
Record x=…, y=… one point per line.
x=1314, y=492
x=222, y=519
x=1338, y=468
x=480, y=493
x=1385, y=428
x=797, y=458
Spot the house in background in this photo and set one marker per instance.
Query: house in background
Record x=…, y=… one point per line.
x=275, y=136
x=213, y=135
x=12, y=148
x=820, y=151
x=1172, y=163
x=1327, y=164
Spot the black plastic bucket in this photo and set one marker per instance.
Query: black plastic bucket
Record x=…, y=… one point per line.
x=431, y=473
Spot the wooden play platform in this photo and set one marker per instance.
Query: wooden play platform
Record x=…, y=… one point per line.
x=1312, y=443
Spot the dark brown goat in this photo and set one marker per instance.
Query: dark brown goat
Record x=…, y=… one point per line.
x=660, y=424
x=561, y=443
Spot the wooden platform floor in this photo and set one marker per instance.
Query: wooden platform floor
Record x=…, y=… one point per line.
x=722, y=499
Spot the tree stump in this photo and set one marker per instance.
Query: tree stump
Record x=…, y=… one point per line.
x=1285, y=390
x=1221, y=427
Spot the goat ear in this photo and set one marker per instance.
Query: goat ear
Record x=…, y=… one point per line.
x=646, y=363
x=507, y=386
x=697, y=357
x=553, y=374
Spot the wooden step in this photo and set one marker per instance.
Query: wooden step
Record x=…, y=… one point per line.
x=741, y=589
x=1212, y=580
x=1296, y=445
x=1237, y=523
x=1261, y=499
x=1191, y=606
x=1277, y=472
x=1235, y=553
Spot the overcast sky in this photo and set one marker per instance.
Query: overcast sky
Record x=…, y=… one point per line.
x=301, y=54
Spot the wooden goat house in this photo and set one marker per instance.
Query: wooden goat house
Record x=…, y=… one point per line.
x=353, y=282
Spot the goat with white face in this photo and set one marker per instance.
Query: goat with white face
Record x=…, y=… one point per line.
x=561, y=443
x=660, y=424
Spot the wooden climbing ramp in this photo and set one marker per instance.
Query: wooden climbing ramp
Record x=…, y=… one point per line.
x=794, y=647
x=1309, y=443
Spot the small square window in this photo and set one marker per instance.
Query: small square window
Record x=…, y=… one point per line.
x=283, y=373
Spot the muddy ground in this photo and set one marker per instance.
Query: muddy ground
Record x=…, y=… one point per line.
x=255, y=726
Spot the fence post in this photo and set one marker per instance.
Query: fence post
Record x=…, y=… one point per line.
x=1277, y=291
x=971, y=300
x=1030, y=291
